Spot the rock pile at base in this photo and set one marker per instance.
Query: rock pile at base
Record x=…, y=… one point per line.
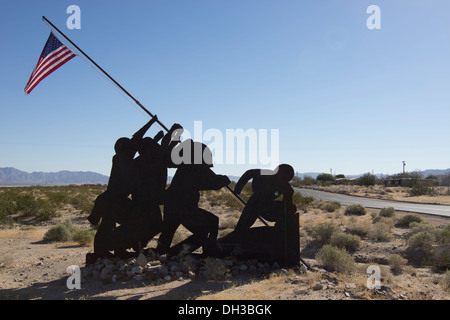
x=160, y=269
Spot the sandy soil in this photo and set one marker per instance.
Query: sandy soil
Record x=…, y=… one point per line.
x=32, y=269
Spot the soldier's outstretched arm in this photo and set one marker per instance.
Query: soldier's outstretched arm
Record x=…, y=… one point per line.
x=140, y=133
x=249, y=174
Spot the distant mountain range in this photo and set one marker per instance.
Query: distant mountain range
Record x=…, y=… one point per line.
x=14, y=177
x=425, y=173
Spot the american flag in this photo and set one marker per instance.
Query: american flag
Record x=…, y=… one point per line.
x=54, y=55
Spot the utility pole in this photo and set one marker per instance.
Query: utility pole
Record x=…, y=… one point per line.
x=404, y=164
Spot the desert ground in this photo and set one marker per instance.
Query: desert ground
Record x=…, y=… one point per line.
x=31, y=268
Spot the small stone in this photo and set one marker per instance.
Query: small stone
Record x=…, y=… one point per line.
x=303, y=269
x=275, y=266
x=318, y=287
x=167, y=278
x=138, y=277
x=105, y=274
x=243, y=267
x=141, y=260
x=227, y=262
x=137, y=270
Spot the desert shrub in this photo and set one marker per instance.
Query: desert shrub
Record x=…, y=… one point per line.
x=367, y=179
x=302, y=202
x=381, y=231
x=322, y=232
x=422, y=241
x=358, y=228
x=82, y=202
x=445, y=282
x=335, y=259
x=388, y=212
x=58, y=197
x=66, y=232
x=356, y=210
x=329, y=206
x=59, y=233
x=406, y=220
x=27, y=204
x=83, y=236
x=441, y=257
x=444, y=234
x=6, y=210
x=229, y=223
x=345, y=241
x=397, y=262
x=213, y=269
x=419, y=189
x=325, y=178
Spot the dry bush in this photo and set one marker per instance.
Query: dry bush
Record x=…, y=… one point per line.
x=445, y=282
x=214, y=269
x=397, y=263
x=323, y=231
x=388, y=212
x=335, y=259
x=381, y=232
x=345, y=241
x=355, y=209
x=406, y=220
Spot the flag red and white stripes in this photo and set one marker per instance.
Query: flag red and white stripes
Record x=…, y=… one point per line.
x=54, y=55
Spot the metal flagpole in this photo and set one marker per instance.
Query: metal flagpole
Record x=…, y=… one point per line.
x=101, y=69
x=133, y=98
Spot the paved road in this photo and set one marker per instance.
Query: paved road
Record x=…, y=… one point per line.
x=439, y=210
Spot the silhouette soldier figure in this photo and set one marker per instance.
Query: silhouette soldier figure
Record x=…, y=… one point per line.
x=151, y=167
x=181, y=200
x=271, y=200
x=266, y=188
x=114, y=205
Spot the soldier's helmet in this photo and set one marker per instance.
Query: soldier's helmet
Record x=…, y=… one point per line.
x=122, y=144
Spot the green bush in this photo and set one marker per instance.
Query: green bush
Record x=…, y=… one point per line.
x=406, y=220
x=445, y=282
x=422, y=241
x=66, y=232
x=345, y=241
x=441, y=257
x=381, y=232
x=355, y=209
x=58, y=233
x=302, y=202
x=358, y=228
x=444, y=234
x=419, y=189
x=83, y=236
x=367, y=179
x=335, y=259
x=214, y=269
x=329, y=206
x=397, y=262
x=322, y=232
x=388, y=212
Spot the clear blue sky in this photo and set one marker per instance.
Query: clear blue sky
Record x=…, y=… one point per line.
x=343, y=97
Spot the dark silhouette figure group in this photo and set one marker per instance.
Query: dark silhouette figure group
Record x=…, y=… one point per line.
x=128, y=213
